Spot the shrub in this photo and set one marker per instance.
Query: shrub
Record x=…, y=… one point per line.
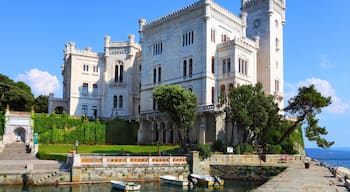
x=274, y=149
x=204, y=151
x=46, y=156
x=219, y=146
x=243, y=149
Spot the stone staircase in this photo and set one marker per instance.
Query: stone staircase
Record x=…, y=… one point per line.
x=15, y=151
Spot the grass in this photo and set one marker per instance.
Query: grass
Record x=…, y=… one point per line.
x=106, y=149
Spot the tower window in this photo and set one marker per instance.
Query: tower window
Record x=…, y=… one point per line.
x=85, y=67
x=187, y=38
x=184, y=67
x=157, y=48
x=212, y=94
x=228, y=65
x=118, y=72
x=212, y=36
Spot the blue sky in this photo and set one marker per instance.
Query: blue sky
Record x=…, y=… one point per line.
x=316, y=44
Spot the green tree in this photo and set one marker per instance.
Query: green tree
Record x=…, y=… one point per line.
x=41, y=104
x=252, y=113
x=305, y=106
x=181, y=107
x=17, y=95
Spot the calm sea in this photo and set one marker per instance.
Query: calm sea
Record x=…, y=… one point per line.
x=334, y=157
x=146, y=187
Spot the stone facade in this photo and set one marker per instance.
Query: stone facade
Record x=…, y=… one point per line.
x=18, y=127
x=202, y=47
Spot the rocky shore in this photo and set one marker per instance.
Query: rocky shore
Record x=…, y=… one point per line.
x=342, y=174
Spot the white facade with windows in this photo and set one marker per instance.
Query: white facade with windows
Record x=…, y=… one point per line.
x=202, y=47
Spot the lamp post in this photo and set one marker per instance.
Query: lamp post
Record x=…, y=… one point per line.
x=76, y=144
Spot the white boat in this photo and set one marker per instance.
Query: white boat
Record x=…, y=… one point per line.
x=125, y=186
x=173, y=180
x=208, y=180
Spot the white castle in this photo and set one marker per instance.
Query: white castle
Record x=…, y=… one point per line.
x=202, y=47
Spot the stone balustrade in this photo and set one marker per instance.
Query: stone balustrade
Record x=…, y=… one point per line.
x=127, y=160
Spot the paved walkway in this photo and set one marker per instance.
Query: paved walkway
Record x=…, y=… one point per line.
x=298, y=179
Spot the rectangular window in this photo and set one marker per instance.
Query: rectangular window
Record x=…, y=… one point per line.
x=157, y=48
x=212, y=94
x=95, y=69
x=213, y=64
x=94, y=111
x=228, y=65
x=277, y=85
x=154, y=75
x=94, y=90
x=121, y=73
x=84, y=109
x=243, y=66
x=185, y=68
x=190, y=67
x=213, y=36
x=115, y=101
x=120, y=101
x=187, y=38
x=159, y=74
x=85, y=89
x=224, y=66
x=116, y=73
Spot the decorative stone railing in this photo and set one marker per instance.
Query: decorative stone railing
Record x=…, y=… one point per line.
x=105, y=161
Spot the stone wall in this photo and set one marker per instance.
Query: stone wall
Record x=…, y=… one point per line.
x=40, y=178
x=105, y=168
x=203, y=166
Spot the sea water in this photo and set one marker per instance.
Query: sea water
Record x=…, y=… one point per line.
x=334, y=157
x=236, y=186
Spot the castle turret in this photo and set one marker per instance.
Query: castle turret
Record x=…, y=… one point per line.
x=266, y=20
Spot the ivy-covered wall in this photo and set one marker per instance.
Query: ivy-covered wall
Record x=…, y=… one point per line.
x=64, y=129
x=121, y=132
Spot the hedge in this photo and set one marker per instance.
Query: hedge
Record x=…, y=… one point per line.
x=63, y=129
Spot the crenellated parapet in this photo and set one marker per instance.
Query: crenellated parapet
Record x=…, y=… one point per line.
x=70, y=49
x=176, y=14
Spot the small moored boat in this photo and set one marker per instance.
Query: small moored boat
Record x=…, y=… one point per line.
x=208, y=180
x=125, y=186
x=173, y=180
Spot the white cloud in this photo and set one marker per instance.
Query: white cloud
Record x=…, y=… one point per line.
x=338, y=106
x=41, y=82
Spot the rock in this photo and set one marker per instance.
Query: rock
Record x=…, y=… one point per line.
x=347, y=183
x=342, y=172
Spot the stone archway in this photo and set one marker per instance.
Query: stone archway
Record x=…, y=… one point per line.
x=20, y=134
x=18, y=127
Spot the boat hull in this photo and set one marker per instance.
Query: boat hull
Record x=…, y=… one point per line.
x=125, y=186
x=208, y=180
x=172, y=180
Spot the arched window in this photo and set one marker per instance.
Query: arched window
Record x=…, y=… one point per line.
x=159, y=74
x=118, y=72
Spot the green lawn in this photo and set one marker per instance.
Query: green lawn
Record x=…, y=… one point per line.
x=105, y=149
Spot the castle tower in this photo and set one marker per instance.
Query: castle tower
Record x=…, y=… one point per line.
x=266, y=19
